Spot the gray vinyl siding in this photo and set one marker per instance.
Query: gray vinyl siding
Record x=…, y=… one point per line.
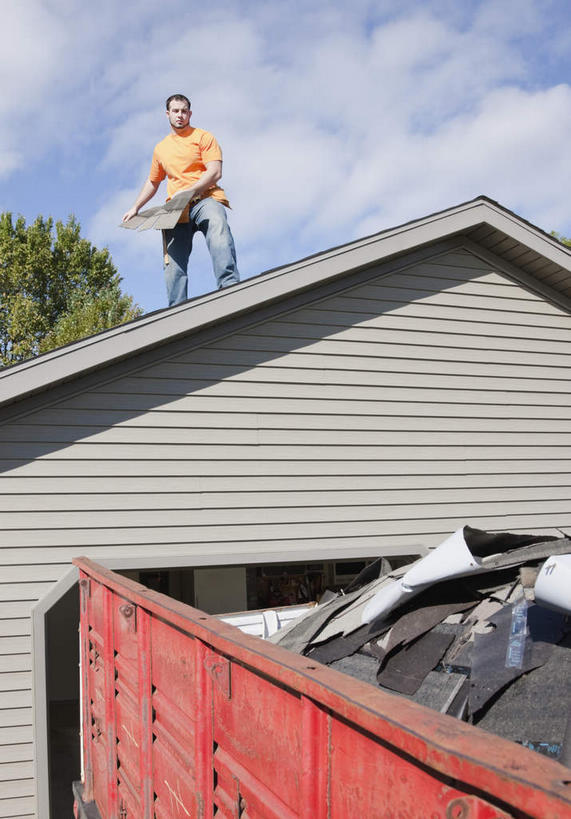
x=380, y=416
x=370, y=421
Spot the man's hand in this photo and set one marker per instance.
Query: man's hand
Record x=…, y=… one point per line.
x=130, y=213
x=147, y=192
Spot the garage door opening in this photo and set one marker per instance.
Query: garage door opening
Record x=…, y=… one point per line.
x=214, y=589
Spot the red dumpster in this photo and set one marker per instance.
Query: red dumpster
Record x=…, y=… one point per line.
x=185, y=716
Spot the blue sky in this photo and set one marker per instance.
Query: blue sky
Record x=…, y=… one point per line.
x=336, y=119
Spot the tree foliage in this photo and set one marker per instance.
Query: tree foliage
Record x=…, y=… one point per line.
x=55, y=287
x=564, y=239
x=88, y=315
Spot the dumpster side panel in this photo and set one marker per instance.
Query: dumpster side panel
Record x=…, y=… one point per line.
x=128, y=725
x=368, y=779
x=175, y=704
x=257, y=730
x=100, y=730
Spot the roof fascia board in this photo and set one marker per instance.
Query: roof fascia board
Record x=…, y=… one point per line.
x=28, y=401
x=164, y=326
x=304, y=273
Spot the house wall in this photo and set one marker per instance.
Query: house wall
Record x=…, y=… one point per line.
x=363, y=423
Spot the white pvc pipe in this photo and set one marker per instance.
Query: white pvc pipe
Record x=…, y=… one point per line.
x=452, y=558
x=553, y=584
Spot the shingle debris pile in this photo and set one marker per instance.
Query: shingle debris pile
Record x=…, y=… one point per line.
x=480, y=629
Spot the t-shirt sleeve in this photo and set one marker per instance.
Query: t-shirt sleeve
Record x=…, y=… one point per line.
x=157, y=172
x=210, y=150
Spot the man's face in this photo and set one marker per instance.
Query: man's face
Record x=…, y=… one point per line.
x=179, y=114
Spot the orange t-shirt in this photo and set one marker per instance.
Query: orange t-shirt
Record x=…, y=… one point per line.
x=182, y=158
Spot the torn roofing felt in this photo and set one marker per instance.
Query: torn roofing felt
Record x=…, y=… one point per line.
x=459, y=642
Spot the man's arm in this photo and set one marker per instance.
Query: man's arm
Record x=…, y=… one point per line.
x=209, y=178
x=147, y=192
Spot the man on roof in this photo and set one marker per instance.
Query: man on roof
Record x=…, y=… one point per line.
x=191, y=159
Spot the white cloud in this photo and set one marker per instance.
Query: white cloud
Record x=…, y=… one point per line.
x=29, y=58
x=29, y=63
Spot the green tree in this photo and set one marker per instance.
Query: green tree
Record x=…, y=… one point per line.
x=561, y=238
x=55, y=287
x=88, y=315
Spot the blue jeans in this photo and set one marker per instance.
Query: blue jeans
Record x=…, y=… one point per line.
x=208, y=216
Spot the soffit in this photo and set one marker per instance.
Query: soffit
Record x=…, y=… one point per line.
x=532, y=262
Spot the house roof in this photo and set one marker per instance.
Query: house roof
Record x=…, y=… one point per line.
x=545, y=262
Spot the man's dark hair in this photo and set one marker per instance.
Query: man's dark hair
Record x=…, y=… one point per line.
x=178, y=97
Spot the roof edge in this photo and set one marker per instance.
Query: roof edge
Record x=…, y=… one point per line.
x=168, y=324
